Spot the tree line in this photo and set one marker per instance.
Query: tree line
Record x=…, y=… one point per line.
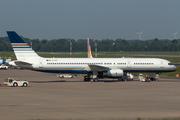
x=105, y=45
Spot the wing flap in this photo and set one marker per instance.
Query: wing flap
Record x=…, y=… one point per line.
x=97, y=68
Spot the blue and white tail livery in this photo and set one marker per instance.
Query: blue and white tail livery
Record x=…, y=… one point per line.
x=96, y=67
x=22, y=50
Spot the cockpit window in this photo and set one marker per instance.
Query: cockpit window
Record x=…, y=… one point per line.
x=170, y=64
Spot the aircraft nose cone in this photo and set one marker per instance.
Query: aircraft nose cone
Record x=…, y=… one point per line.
x=175, y=68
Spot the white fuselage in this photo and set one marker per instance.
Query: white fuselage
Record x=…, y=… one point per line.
x=80, y=65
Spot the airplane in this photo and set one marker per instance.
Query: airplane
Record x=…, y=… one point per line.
x=89, y=49
x=96, y=67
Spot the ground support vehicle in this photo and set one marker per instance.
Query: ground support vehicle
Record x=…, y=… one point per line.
x=66, y=75
x=3, y=67
x=144, y=78
x=130, y=76
x=154, y=78
x=14, y=83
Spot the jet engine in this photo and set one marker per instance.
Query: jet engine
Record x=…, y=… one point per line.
x=2, y=61
x=110, y=73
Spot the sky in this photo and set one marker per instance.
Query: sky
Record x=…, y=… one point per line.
x=94, y=19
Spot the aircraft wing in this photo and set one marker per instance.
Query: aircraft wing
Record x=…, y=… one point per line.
x=97, y=68
x=22, y=63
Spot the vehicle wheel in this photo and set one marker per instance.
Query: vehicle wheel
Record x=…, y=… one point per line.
x=25, y=85
x=72, y=77
x=15, y=84
x=62, y=76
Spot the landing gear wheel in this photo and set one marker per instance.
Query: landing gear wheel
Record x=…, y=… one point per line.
x=85, y=78
x=95, y=80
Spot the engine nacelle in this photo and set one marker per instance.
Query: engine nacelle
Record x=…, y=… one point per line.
x=2, y=61
x=114, y=72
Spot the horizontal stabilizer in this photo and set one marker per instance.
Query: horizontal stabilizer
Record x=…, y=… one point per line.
x=22, y=63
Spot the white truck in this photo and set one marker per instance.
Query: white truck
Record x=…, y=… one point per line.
x=66, y=75
x=14, y=83
x=3, y=67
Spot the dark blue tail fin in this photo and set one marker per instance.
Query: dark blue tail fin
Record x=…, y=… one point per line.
x=21, y=49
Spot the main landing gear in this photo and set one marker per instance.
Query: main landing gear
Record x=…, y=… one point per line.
x=123, y=78
x=87, y=77
x=94, y=77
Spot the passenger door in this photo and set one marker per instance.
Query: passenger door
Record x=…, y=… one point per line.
x=40, y=63
x=161, y=64
x=129, y=64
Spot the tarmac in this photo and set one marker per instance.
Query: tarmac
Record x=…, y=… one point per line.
x=50, y=98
